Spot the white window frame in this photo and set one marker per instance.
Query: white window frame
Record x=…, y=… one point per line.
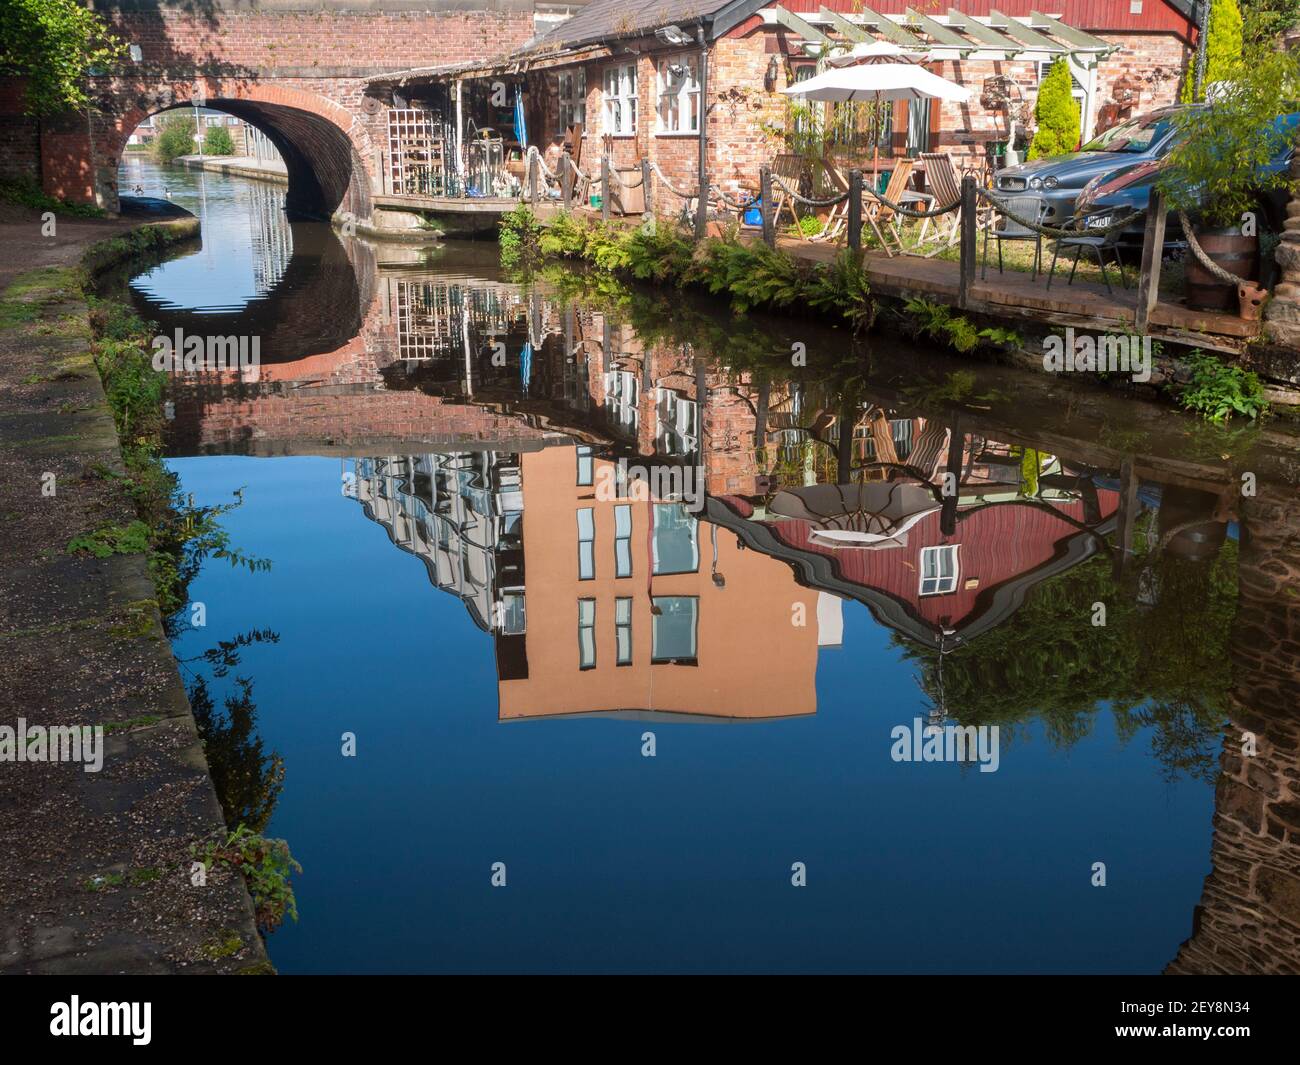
x=571, y=91
x=619, y=99
x=586, y=544
x=623, y=540
x=586, y=634
x=623, y=631
x=675, y=94
x=940, y=570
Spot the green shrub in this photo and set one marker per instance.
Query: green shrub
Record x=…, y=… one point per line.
x=175, y=138
x=218, y=142
x=266, y=866
x=1217, y=391
x=518, y=234
x=1223, y=43
x=27, y=193
x=1056, y=114
x=843, y=287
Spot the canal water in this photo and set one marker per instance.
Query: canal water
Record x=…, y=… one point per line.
x=515, y=709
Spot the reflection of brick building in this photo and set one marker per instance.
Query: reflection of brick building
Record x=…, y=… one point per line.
x=638, y=607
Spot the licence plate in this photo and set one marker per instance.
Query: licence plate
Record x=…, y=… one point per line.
x=1100, y=221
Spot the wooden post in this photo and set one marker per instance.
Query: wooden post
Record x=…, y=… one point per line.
x=949, y=500
x=604, y=187
x=533, y=160
x=647, y=187
x=566, y=180
x=1153, y=247
x=969, y=207
x=702, y=203
x=765, y=206
x=1129, y=509
x=855, y=210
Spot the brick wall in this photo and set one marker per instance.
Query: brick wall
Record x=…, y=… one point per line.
x=1248, y=920
x=20, y=136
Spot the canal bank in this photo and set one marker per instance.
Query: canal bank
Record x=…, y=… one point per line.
x=245, y=166
x=98, y=873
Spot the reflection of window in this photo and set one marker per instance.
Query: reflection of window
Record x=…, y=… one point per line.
x=586, y=544
x=620, y=99
x=586, y=634
x=677, y=423
x=622, y=391
x=679, y=94
x=675, y=547
x=514, y=618
x=938, y=570
x=623, y=630
x=573, y=98
x=623, y=541
x=672, y=635
x=584, y=465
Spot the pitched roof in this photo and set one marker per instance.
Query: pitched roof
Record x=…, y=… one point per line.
x=605, y=19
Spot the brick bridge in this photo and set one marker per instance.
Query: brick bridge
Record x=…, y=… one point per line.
x=295, y=69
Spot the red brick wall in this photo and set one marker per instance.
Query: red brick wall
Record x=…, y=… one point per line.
x=20, y=136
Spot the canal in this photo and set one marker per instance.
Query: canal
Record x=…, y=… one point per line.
x=514, y=713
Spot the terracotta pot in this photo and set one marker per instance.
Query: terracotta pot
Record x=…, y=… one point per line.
x=1228, y=249
x=1250, y=298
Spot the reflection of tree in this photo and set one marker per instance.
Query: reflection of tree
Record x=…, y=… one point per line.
x=247, y=780
x=1164, y=665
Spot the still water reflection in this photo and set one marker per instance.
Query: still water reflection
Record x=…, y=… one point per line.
x=442, y=465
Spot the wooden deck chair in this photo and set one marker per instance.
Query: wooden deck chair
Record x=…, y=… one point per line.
x=832, y=183
x=941, y=175
x=885, y=218
x=789, y=168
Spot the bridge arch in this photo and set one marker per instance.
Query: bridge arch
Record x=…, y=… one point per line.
x=324, y=146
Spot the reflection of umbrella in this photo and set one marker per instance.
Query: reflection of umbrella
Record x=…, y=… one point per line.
x=878, y=82
x=871, y=515
x=521, y=126
x=526, y=366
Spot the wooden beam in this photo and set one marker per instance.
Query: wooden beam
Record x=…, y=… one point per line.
x=969, y=211
x=891, y=30
x=844, y=27
x=1153, y=248
x=1077, y=39
x=805, y=30
x=984, y=34
x=1023, y=34
x=942, y=35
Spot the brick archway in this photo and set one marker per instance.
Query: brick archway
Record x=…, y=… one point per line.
x=324, y=146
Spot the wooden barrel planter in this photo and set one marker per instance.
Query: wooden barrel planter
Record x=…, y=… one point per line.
x=1228, y=249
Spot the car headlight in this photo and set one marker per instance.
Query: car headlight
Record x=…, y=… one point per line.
x=1035, y=183
x=1050, y=182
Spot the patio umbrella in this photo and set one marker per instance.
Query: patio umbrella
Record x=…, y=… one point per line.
x=877, y=82
x=872, y=515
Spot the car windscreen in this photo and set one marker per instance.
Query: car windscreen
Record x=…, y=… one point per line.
x=1136, y=135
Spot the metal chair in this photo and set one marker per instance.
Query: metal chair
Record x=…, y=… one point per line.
x=1098, y=244
x=1007, y=228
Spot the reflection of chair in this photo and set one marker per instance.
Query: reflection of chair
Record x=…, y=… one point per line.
x=1097, y=243
x=1007, y=228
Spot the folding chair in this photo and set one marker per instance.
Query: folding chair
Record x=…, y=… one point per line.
x=942, y=178
x=884, y=217
x=1007, y=228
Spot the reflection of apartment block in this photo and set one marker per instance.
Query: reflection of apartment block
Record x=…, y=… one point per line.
x=462, y=515
x=638, y=607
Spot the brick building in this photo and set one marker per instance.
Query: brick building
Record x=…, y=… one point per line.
x=637, y=73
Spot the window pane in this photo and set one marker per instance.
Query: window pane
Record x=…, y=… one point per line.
x=584, y=465
x=586, y=648
x=623, y=611
x=586, y=560
x=675, y=549
x=673, y=630
x=623, y=520
x=586, y=524
x=622, y=558
x=624, y=636
x=587, y=612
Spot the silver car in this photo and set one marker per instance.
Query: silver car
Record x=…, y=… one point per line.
x=1060, y=178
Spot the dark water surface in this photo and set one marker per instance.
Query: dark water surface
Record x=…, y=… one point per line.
x=429, y=458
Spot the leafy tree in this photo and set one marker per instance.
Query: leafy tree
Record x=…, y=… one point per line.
x=1223, y=43
x=175, y=138
x=55, y=45
x=1056, y=114
x=248, y=781
x=1217, y=168
x=219, y=142
x=1266, y=19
